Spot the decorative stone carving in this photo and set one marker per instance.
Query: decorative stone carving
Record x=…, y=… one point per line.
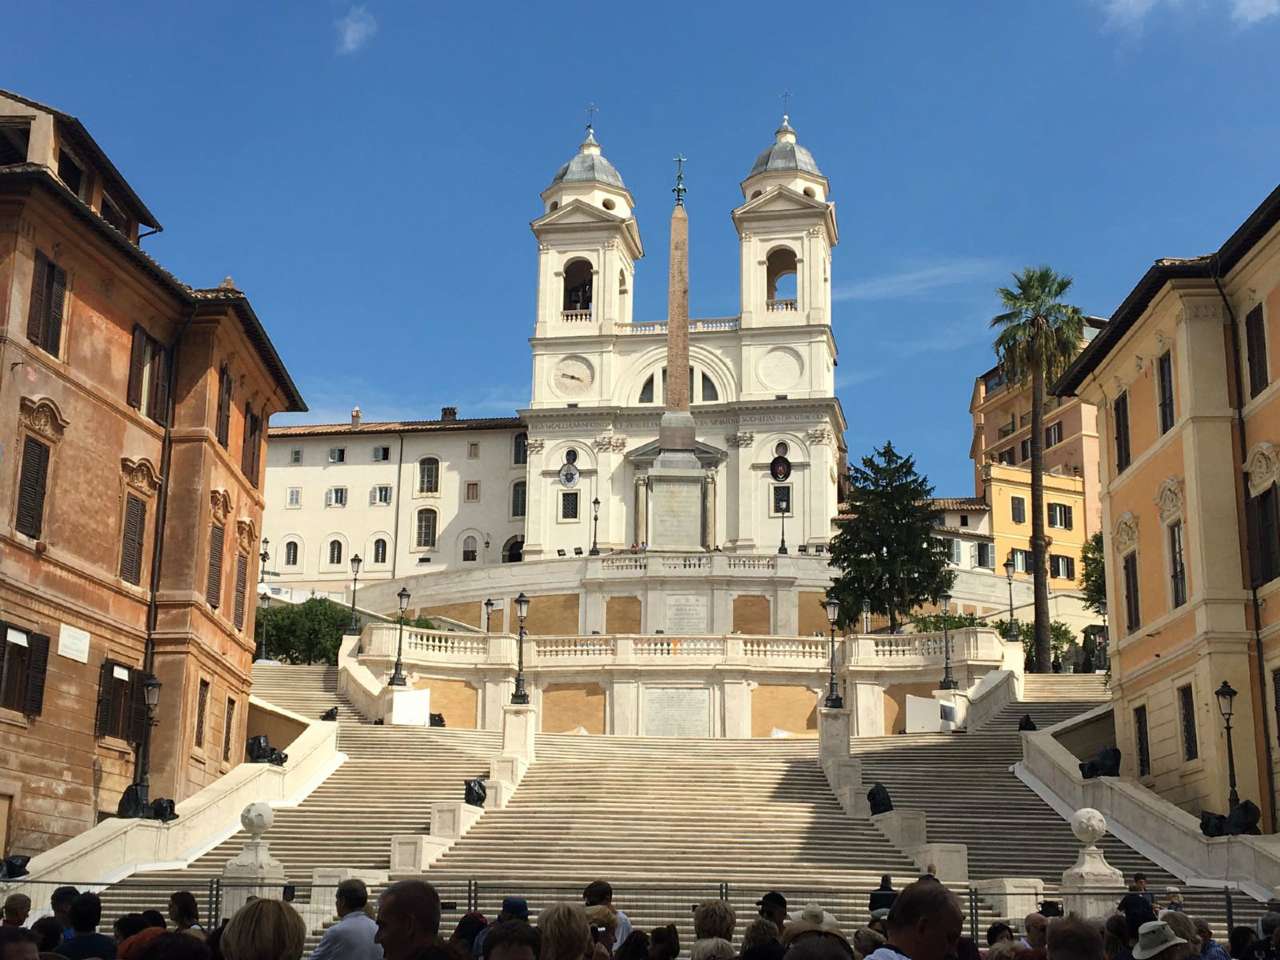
x=140, y=475
x=1169, y=499
x=740, y=440
x=1262, y=466
x=611, y=244
x=821, y=436
x=1125, y=536
x=246, y=535
x=42, y=417
x=253, y=872
x=603, y=443
x=1162, y=341
x=536, y=444
x=617, y=443
x=814, y=231
x=1091, y=886
x=220, y=504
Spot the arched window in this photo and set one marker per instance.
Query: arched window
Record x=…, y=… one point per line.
x=513, y=550
x=520, y=449
x=577, y=286
x=519, y=493
x=428, y=475
x=426, y=533
x=291, y=553
x=468, y=549
x=780, y=276
x=379, y=551
x=709, y=392
x=646, y=392
x=622, y=282
x=335, y=552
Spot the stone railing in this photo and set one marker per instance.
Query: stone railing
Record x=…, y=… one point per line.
x=971, y=645
x=379, y=641
x=774, y=306
x=570, y=648
x=807, y=649
x=708, y=325
x=575, y=316
x=692, y=564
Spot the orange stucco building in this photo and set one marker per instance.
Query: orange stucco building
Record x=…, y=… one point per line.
x=1188, y=401
x=134, y=421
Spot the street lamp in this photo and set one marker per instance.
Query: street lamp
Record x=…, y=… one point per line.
x=355, y=575
x=397, y=675
x=834, y=700
x=263, y=557
x=1226, y=695
x=866, y=615
x=1011, y=631
x=488, y=612
x=520, y=695
x=782, y=517
x=595, y=527
x=948, y=681
x=150, y=699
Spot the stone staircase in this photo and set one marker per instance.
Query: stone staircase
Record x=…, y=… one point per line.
x=307, y=690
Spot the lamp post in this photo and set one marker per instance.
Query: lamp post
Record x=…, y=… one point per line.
x=1226, y=695
x=1011, y=631
x=355, y=575
x=595, y=527
x=488, y=612
x=866, y=615
x=782, y=515
x=397, y=675
x=948, y=681
x=263, y=557
x=151, y=699
x=834, y=700
x=520, y=695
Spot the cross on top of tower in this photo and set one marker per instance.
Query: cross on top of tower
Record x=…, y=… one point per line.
x=592, y=110
x=786, y=102
x=679, y=189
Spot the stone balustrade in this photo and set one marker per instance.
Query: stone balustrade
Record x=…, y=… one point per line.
x=575, y=316
x=973, y=645
x=707, y=325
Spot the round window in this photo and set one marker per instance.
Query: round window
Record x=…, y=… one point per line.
x=781, y=449
x=607, y=203
x=571, y=455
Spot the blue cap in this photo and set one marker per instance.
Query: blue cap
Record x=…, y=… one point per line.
x=516, y=907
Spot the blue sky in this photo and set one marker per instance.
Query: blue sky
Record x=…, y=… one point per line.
x=339, y=160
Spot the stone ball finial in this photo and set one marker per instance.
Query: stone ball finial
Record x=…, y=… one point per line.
x=257, y=818
x=1088, y=825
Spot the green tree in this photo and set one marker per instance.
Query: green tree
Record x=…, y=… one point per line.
x=308, y=632
x=934, y=622
x=1060, y=637
x=886, y=554
x=1094, y=575
x=1039, y=335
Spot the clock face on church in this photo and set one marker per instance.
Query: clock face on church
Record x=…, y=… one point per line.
x=573, y=376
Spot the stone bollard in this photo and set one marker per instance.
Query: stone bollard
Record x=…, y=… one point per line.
x=252, y=872
x=1091, y=887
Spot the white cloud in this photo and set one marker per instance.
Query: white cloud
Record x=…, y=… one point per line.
x=918, y=280
x=1130, y=14
x=355, y=29
x=1251, y=11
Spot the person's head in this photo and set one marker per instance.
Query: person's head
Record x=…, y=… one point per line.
x=180, y=946
x=1005, y=950
x=604, y=925
x=1241, y=941
x=127, y=925
x=183, y=910
x=154, y=918
x=351, y=896
x=1268, y=924
x=998, y=931
x=85, y=913
x=1182, y=926
x=514, y=908
x=1036, y=926
x=758, y=932
x=773, y=906
x=1203, y=931
x=17, y=906
x=1072, y=938
x=711, y=948
x=714, y=919
x=60, y=903
x=867, y=941
x=925, y=921
x=596, y=892
x=1115, y=936
x=564, y=932
x=1140, y=882
x=820, y=947
x=468, y=928
x=135, y=947
x=1157, y=939
x=635, y=947
x=48, y=931
x=264, y=930
x=408, y=919
x=664, y=943
x=511, y=940
x=17, y=943
x=886, y=882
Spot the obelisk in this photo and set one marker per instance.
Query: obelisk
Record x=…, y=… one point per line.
x=675, y=481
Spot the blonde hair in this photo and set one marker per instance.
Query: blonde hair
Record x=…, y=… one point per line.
x=711, y=948
x=1003, y=950
x=264, y=930
x=602, y=915
x=564, y=932
x=759, y=931
x=714, y=918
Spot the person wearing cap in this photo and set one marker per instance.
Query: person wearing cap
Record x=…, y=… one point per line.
x=925, y=923
x=513, y=908
x=600, y=892
x=773, y=906
x=1157, y=939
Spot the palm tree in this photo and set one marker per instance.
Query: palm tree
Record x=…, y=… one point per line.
x=1039, y=334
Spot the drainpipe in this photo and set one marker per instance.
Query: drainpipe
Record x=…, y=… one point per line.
x=1238, y=404
x=142, y=760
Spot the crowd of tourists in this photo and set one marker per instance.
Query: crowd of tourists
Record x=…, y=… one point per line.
x=923, y=921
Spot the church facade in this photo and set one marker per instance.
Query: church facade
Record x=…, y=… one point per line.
x=574, y=465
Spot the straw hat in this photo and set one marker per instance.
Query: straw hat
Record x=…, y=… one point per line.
x=812, y=919
x=1153, y=938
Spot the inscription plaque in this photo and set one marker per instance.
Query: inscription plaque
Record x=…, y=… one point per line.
x=686, y=614
x=677, y=712
x=676, y=510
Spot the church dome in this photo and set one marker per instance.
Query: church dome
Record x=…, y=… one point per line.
x=785, y=155
x=589, y=165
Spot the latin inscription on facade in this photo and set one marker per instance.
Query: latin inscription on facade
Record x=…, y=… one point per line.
x=686, y=614
x=677, y=712
x=677, y=514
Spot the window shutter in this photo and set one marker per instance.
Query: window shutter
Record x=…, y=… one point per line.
x=242, y=580
x=31, y=487
x=224, y=406
x=103, y=716
x=160, y=386
x=328, y=498
x=1066, y=517
x=973, y=555
x=137, y=356
x=137, y=729
x=373, y=496
x=246, y=443
x=1253, y=532
x=37, y=670
x=213, y=584
x=135, y=519
x=36, y=315
x=57, y=298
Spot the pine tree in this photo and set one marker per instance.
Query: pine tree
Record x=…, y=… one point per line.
x=886, y=553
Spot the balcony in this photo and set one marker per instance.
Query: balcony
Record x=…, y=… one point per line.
x=775, y=306
x=710, y=325
x=575, y=316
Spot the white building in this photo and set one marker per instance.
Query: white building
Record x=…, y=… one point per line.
x=452, y=492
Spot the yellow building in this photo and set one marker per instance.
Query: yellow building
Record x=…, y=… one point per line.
x=1008, y=492
x=1189, y=414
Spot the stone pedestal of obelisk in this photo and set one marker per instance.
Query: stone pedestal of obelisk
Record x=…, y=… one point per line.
x=676, y=478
